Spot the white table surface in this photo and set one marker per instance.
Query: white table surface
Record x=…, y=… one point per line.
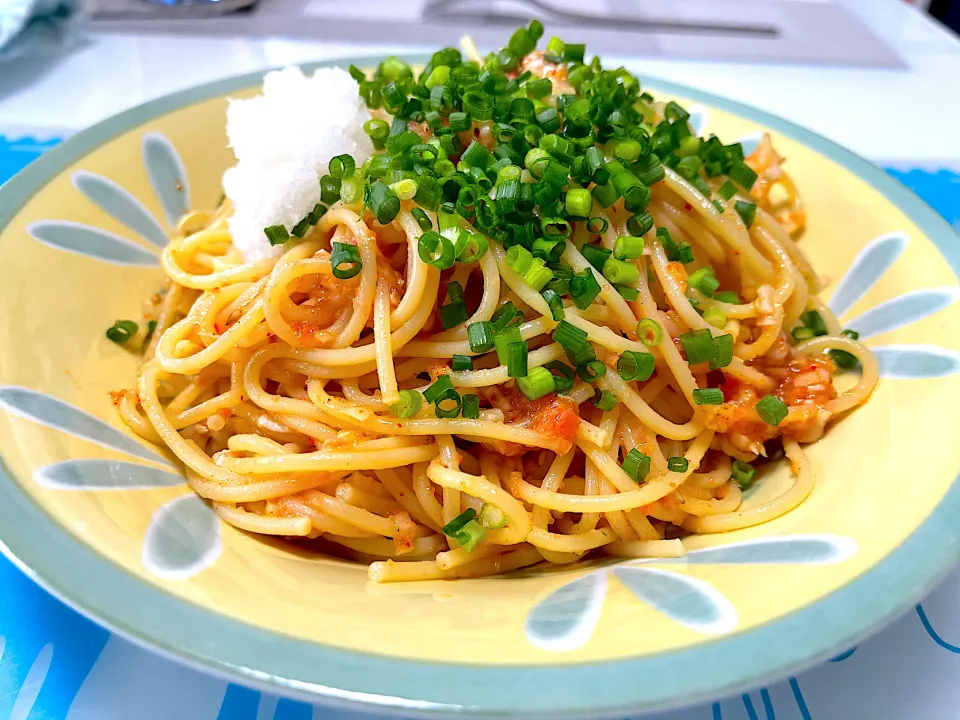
x=910, y=671
x=880, y=114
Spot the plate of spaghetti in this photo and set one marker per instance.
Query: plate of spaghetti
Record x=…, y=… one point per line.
x=396, y=381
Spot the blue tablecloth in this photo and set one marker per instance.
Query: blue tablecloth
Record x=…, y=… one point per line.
x=57, y=665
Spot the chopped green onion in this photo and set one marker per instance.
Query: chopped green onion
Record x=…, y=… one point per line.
x=843, y=359
x=537, y=383
x=423, y=220
x=595, y=255
x=456, y=525
x=636, y=465
x=276, y=234
x=330, y=189
x=727, y=296
x=480, y=337
x=628, y=247
x=715, y=317
x=627, y=293
x=649, y=332
x=698, y=346
x=852, y=334
x=570, y=337
x=300, y=229
x=555, y=228
x=639, y=225
x=604, y=400
x=471, y=407
x=727, y=190
x=771, y=410
x=585, y=354
x=812, y=320
x=746, y=211
x=435, y=249
x=584, y=288
x=404, y=189
x=470, y=535
x=677, y=464
x=453, y=314
x=723, y=351
x=442, y=384
x=634, y=365
x=704, y=280
x=591, y=371
x=459, y=121
x=742, y=175
x=461, y=363
x=579, y=202
x=550, y=249
x=799, y=334
x=564, y=381
x=408, y=405
x=475, y=246
x=743, y=473
x=620, y=272
x=505, y=316
x=519, y=259
x=502, y=341
x=121, y=331
x=384, y=202
x=555, y=303
x=538, y=275
x=378, y=130
x=491, y=517
x=597, y=225
x=517, y=353
x=351, y=190
x=342, y=165
x=345, y=261
x=447, y=404
x=708, y=396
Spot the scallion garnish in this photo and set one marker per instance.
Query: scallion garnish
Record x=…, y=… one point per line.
x=480, y=337
x=636, y=465
x=345, y=261
x=771, y=410
x=591, y=371
x=743, y=473
x=537, y=383
x=584, y=288
x=634, y=365
x=461, y=363
x=121, y=331
x=677, y=464
x=408, y=405
x=276, y=234
x=698, y=346
x=649, y=332
x=470, y=408
x=708, y=396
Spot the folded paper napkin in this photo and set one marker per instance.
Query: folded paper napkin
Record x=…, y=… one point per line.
x=30, y=25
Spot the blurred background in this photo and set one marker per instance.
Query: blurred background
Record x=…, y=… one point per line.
x=880, y=77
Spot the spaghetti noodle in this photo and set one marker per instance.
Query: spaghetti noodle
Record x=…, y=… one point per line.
x=545, y=319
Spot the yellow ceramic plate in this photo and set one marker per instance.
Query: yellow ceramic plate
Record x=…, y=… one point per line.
x=108, y=524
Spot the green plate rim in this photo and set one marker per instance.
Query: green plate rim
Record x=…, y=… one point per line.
x=164, y=623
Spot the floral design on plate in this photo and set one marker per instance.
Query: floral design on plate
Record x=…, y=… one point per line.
x=184, y=536
x=168, y=178
x=565, y=618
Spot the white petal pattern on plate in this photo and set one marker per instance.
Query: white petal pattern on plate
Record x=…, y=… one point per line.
x=565, y=619
x=92, y=242
x=691, y=602
x=95, y=474
x=868, y=266
x=699, y=118
x=915, y=362
x=167, y=175
x=183, y=539
x=46, y=410
x=121, y=205
x=32, y=684
x=782, y=550
x=750, y=142
x=903, y=310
